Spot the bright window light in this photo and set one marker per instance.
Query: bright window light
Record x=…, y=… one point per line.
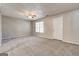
x=37, y=27
x=40, y=27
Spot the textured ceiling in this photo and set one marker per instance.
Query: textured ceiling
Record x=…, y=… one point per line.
x=20, y=10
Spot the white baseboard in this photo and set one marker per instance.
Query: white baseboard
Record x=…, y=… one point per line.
x=71, y=42
x=15, y=37
x=61, y=40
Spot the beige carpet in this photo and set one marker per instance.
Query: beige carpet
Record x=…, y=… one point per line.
x=34, y=46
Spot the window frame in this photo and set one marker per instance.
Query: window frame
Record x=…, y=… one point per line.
x=40, y=27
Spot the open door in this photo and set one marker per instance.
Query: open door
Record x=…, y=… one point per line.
x=58, y=27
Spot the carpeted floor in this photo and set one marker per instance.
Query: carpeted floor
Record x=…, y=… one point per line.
x=35, y=46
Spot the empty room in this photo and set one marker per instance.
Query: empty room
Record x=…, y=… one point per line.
x=39, y=29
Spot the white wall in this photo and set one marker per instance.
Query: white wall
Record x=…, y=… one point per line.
x=76, y=25
x=58, y=27
x=70, y=27
x=0, y=30
x=47, y=28
x=14, y=27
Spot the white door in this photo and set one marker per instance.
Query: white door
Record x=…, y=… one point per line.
x=58, y=27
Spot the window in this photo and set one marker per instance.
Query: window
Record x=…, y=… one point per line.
x=40, y=27
x=37, y=26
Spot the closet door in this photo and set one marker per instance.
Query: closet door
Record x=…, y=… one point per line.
x=58, y=27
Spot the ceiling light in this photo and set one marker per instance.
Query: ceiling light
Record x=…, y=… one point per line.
x=31, y=15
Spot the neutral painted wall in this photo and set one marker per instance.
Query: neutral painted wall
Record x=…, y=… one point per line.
x=57, y=27
x=76, y=25
x=14, y=27
x=47, y=28
x=0, y=30
x=70, y=27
